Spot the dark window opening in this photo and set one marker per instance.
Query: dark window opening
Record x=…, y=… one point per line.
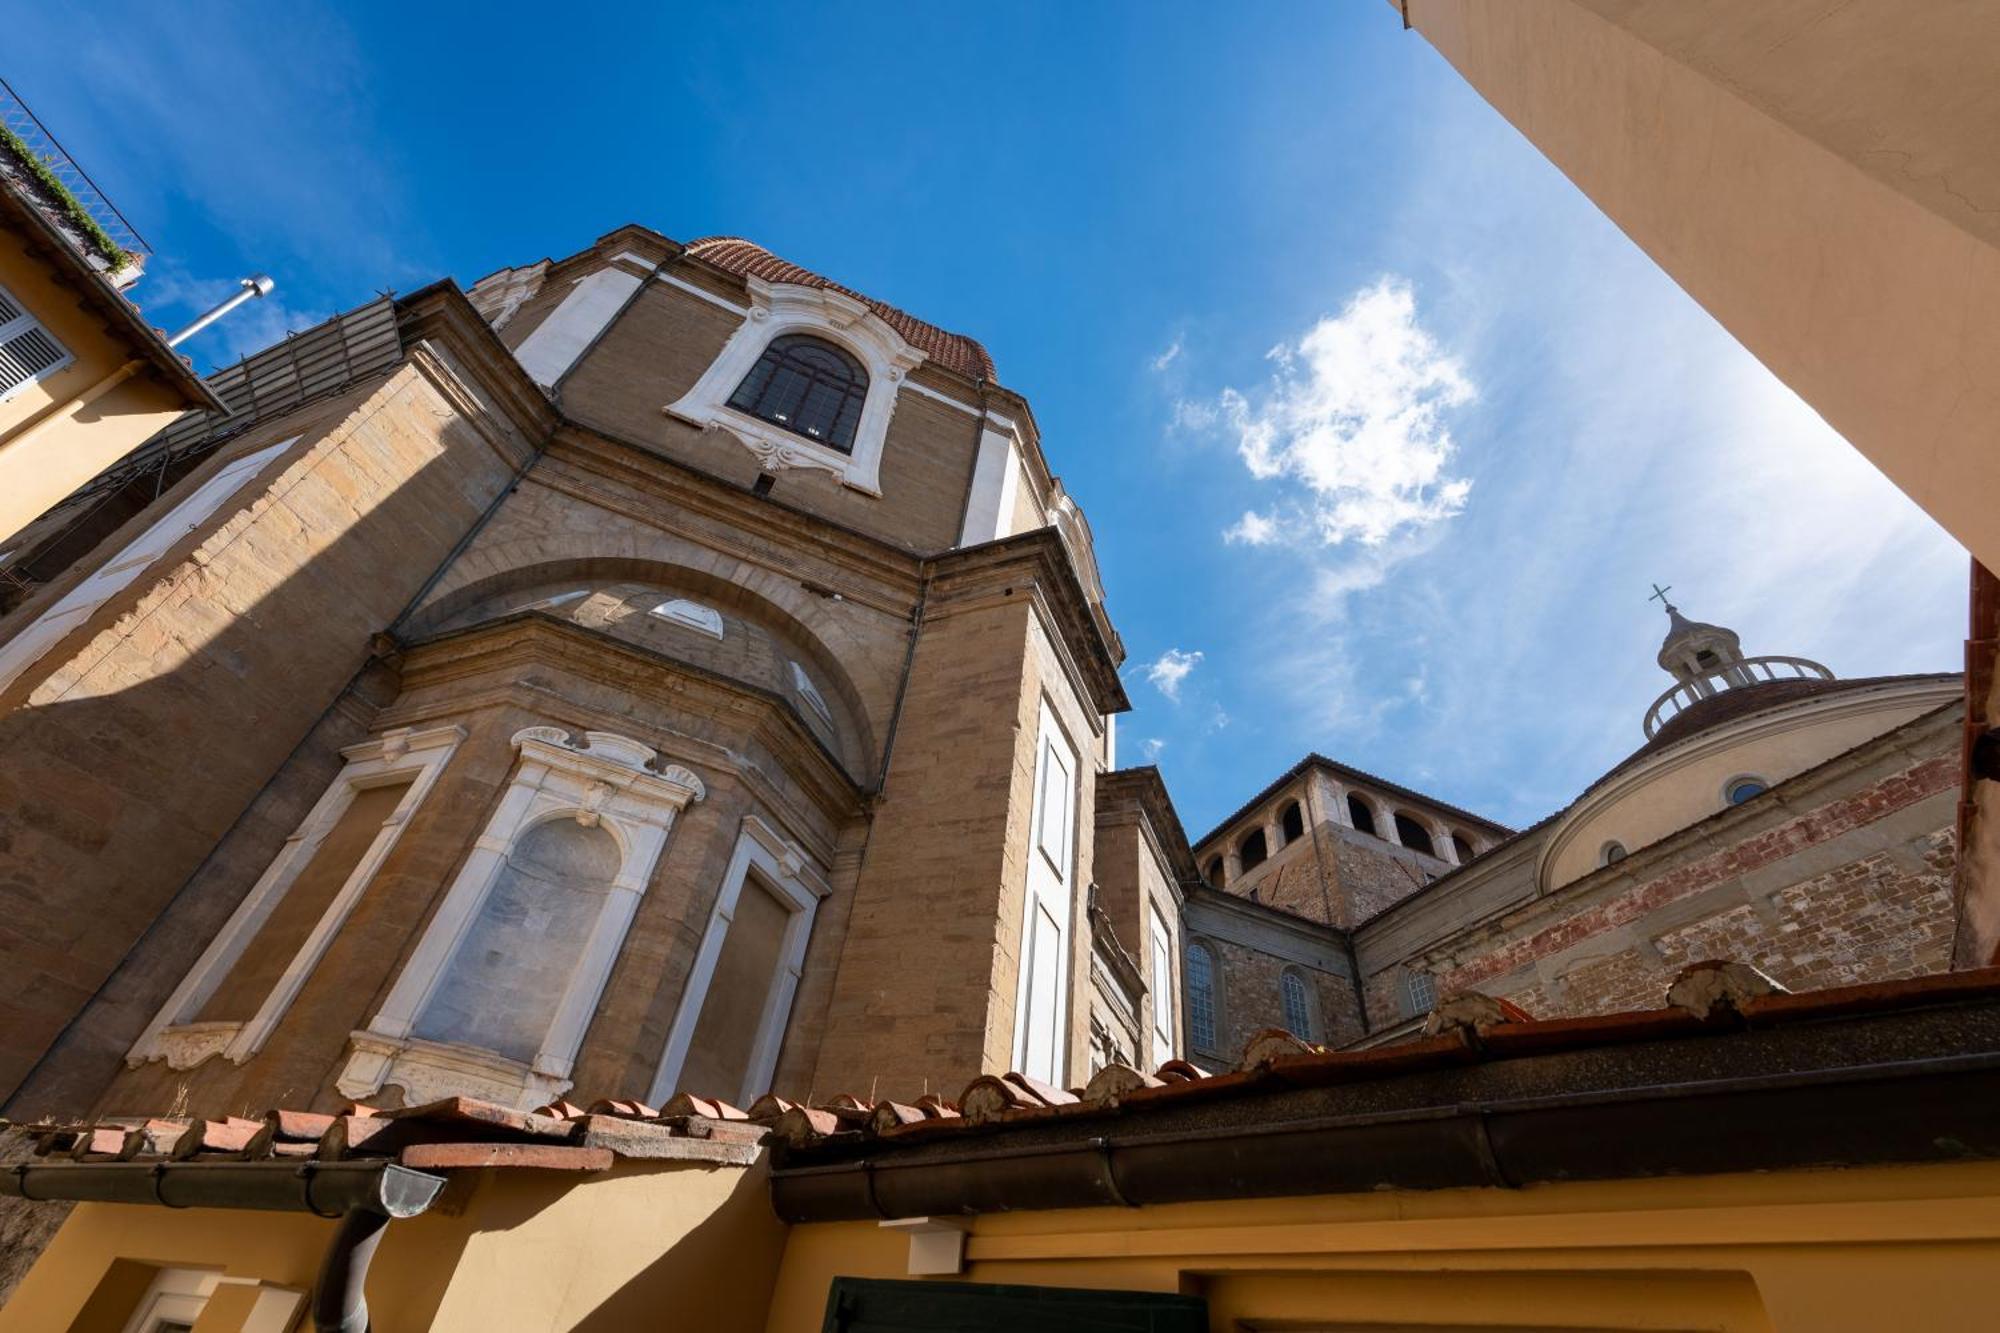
x=1253, y=852
x=1463, y=846
x=1360, y=815
x=879, y=1305
x=808, y=386
x=1744, y=789
x=762, y=486
x=1215, y=870
x=1705, y=658
x=1293, y=821
x=1413, y=835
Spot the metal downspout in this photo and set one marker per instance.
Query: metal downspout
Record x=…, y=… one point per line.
x=340, y=1299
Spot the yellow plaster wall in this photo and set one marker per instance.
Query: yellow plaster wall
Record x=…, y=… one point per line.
x=1800, y=1252
x=41, y=468
x=659, y=1245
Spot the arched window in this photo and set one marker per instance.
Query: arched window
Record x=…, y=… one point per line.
x=1293, y=822
x=1413, y=835
x=1200, y=981
x=1419, y=993
x=808, y=386
x=1611, y=853
x=1463, y=846
x=1215, y=870
x=1298, y=1006
x=1253, y=852
x=1359, y=815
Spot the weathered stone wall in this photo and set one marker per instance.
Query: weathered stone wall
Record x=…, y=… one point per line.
x=1373, y=875
x=1843, y=875
x=943, y=867
x=493, y=683
x=134, y=746
x=1251, y=1001
x=663, y=343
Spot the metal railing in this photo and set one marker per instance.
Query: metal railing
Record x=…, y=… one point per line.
x=16, y=116
x=1733, y=675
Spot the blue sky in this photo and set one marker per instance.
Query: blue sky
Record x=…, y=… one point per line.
x=1383, y=430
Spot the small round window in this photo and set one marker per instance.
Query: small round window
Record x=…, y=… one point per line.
x=1743, y=789
x=1611, y=853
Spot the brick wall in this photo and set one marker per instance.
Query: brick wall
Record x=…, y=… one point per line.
x=1883, y=911
x=1250, y=999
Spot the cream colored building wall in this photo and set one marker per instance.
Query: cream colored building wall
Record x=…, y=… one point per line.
x=1799, y=1252
x=1685, y=783
x=1819, y=176
x=653, y=1245
x=37, y=469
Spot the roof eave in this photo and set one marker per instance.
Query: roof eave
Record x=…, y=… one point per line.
x=124, y=317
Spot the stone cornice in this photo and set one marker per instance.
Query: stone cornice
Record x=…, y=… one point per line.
x=1310, y=936
x=753, y=528
x=1037, y=564
x=1144, y=790
x=1114, y=957
x=442, y=314
x=526, y=638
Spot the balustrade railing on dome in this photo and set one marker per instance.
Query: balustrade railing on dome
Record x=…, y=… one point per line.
x=1733, y=675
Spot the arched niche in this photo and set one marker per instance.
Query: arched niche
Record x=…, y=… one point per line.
x=551, y=587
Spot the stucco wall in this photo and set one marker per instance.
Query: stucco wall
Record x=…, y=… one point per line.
x=1797, y=1252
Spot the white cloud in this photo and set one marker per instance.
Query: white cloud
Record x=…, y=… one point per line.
x=1355, y=414
x=1151, y=748
x=1253, y=529
x=1171, y=670
x=1167, y=358
x=1194, y=416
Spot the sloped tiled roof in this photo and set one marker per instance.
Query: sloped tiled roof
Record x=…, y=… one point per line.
x=1710, y=1000
x=747, y=259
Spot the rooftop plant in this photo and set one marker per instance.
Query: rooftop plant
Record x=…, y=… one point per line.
x=70, y=206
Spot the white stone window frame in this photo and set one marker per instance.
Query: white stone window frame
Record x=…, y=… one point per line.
x=777, y=309
x=603, y=780
x=394, y=756
x=690, y=615
x=791, y=876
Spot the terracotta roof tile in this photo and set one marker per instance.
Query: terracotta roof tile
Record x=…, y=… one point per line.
x=464, y=1133
x=747, y=259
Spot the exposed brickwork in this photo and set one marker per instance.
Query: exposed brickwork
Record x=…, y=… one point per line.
x=1814, y=827
x=1250, y=999
x=1877, y=919
x=1372, y=877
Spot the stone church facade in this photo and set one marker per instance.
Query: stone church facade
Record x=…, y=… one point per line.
x=546, y=710
x=663, y=669
x=1775, y=816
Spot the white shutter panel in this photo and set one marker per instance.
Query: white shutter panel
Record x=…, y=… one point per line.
x=27, y=350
